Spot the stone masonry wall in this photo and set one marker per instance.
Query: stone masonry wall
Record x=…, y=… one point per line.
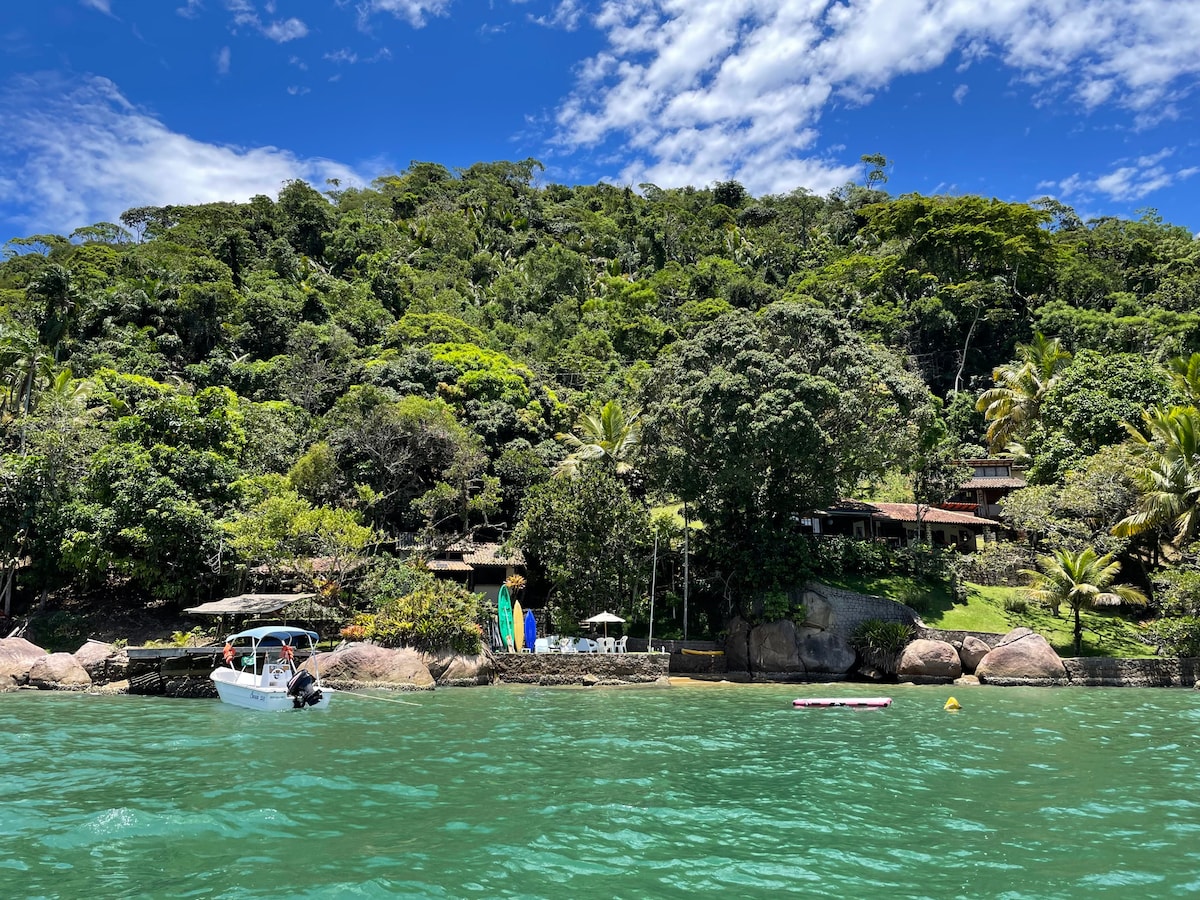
x=937, y=634
x=849, y=609
x=1103, y=672
x=581, y=668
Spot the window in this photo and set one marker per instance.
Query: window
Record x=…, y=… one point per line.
x=992, y=471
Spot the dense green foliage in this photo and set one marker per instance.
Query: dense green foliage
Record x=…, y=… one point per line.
x=211, y=393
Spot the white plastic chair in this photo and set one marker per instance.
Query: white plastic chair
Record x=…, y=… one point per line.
x=568, y=646
x=585, y=645
x=620, y=647
x=607, y=645
x=541, y=645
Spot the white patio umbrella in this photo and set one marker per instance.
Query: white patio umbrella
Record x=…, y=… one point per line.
x=605, y=618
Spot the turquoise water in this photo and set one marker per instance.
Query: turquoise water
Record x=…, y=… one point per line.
x=708, y=791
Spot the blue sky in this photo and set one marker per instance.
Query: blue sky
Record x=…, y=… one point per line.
x=108, y=104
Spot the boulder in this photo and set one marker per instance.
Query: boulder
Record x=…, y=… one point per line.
x=737, y=645
x=17, y=657
x=972, y=652
x=929, y=662
x=773, y=648
x=59, y=672
x=455, y=669
x=825, y=652
x=103, y=662
x=1022, y=657
x=368, y=665
x=966, y=680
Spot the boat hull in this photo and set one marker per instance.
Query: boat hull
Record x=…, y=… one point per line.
x=240, y=689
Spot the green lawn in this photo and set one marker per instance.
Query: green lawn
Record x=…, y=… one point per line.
x=1105, y=633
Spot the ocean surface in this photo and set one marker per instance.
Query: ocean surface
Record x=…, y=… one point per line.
x=687, y=791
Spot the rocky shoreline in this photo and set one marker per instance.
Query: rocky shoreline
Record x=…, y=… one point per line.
x=1019, y=658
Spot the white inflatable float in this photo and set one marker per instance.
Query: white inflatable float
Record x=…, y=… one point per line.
x=826, y=702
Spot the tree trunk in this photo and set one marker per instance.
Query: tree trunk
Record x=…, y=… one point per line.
x=1078, y=634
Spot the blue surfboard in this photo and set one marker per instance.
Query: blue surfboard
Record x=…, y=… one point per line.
x=530, y=630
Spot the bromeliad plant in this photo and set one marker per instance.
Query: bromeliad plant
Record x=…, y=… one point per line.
x=880, y=643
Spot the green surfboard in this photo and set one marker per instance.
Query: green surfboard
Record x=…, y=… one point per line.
x=505, y=612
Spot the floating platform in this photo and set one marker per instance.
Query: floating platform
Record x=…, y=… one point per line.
x=826, y=702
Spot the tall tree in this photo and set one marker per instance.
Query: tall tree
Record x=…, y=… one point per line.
x=762, y=416
x=589, y=537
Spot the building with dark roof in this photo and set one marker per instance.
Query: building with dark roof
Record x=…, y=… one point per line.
x=480, y=566
x=991, y=481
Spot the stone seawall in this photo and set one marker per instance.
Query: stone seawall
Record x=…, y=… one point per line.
x=1103, y=672
x=581, y=668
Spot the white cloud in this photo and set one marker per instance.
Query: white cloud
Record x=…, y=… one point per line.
x=191, y=10
x=709, y=88
x=103, y=6
x=960, y=93
x=223, y=61
x=1129, y=181
x=567, y=15
x=79, y=152
x=414, y=11
x=282, y=32
x=245, y=15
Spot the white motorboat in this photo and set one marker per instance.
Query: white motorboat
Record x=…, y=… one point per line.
x=261, y=670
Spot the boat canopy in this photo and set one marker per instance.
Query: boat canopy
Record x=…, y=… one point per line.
x=280, y=633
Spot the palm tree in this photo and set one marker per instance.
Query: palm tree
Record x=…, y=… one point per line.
x=24, y=367
x=607, y=436
x=1080, y=580
x=1185, y=375
x=1014, y=404
x=1168, y=473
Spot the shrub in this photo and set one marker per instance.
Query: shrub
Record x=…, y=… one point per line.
x=924, y=561
x=1177, y=591
x=775, y=606
x=59, y=630
x=440, y=615
x=1016, y=603
x=1177, y=636
x=995, y=563
x=836, y=556
x=914, y=596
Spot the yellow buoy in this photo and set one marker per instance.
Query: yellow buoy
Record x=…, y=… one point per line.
x=952, y=705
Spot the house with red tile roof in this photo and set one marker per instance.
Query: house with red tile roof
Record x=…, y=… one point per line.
x=897, y=524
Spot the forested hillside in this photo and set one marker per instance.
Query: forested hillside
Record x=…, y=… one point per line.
x=200, y=392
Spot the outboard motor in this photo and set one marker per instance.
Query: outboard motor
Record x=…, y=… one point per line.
x=303, y=690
